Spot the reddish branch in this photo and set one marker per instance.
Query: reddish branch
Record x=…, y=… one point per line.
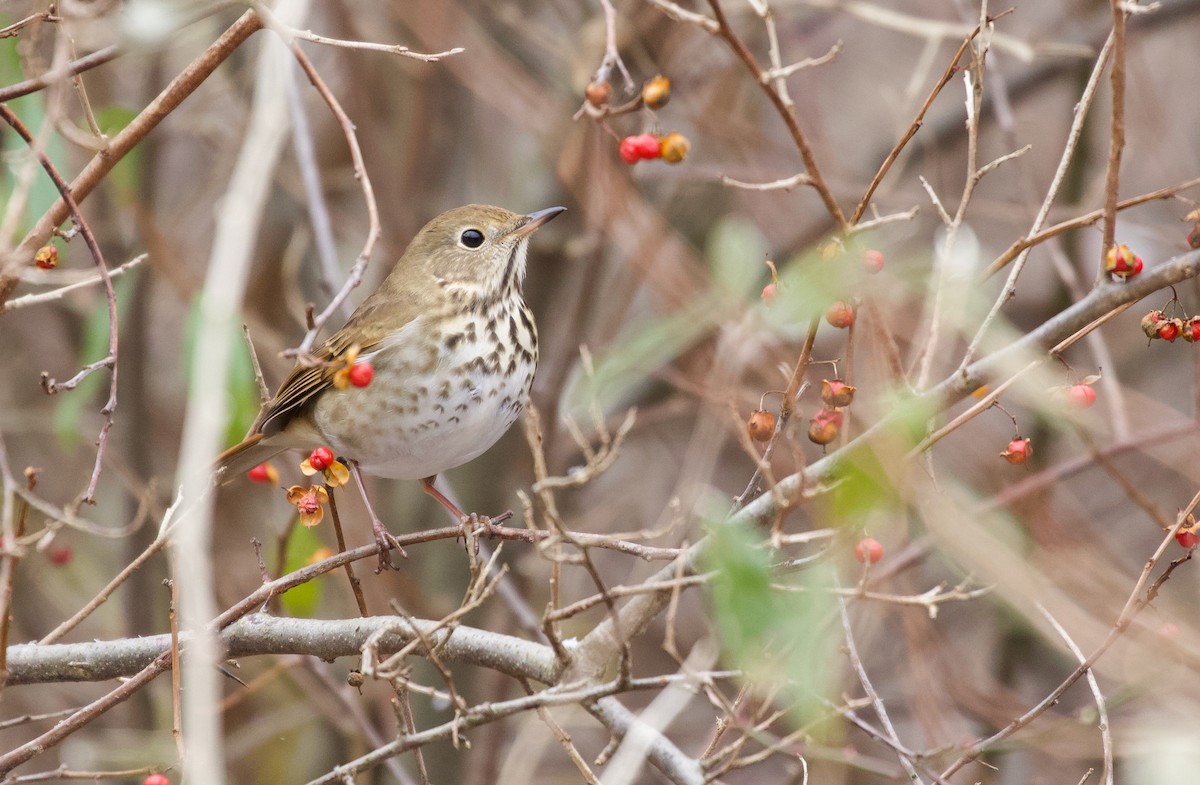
x=785, y=112
x=119, y=146
x=89, y=239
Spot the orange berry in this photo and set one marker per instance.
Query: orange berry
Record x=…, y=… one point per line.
x=760, y=425
x=656, y=92
x=598, y=93
x=674, y=147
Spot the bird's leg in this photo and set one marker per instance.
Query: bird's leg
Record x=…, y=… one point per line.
x=465, y=520
x=451, y=507
x=383, y=538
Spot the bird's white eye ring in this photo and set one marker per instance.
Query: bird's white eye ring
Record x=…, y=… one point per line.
x=471, y=238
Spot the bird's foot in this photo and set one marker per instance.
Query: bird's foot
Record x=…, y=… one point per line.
x=474, y=524
x=386, y=542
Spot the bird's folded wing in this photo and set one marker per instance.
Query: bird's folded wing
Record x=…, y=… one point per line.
x=302, y=385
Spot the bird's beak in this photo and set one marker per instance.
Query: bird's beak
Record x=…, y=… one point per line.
x=532, y=222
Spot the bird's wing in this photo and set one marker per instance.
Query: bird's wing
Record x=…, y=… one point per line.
x=379, y=316
x=302, y=385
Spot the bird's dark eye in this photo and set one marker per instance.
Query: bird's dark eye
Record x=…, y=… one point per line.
x=471, y=238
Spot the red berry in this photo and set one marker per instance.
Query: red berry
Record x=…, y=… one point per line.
x=60, y=555
x=868, y=550
x=1151, y=322
x=1018, y=451
x=629, y=150
x=1081, y=396
x=1193, y=238
x=840, y=315
x=760, y=425
x=1170, y=329
x=361, y=374
x=156, y=779
x=873, y=261
x=1187, y=538
x=647, y=146
x=321, y=458
x=259, y=473
x=1122, y=262
x=1191, y=329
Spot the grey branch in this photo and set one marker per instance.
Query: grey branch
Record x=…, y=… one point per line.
x=31, y=663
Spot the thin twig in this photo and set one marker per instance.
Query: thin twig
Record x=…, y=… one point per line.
x=1068, y=153
x=183, y=85
x=876, y=701
x=360, y=173
x=89, y=239
x=786, y=114
x=1087, y=219
x=1116, y=144
x=57, y=294
x=1101, y=704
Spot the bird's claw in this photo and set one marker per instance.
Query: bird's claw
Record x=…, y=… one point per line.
x=386, y=542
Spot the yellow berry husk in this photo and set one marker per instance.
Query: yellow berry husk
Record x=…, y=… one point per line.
x=674, y=147
x=46, y=257
x=656, y=92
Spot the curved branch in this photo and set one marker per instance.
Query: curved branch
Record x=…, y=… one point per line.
x=119, y=146
x=32, y=663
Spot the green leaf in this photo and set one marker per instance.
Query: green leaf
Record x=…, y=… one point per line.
x=302, y=601
x=779, y=636
x=642, y=348
x=741, y=593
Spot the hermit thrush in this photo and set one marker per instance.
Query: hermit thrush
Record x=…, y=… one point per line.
x=453, y=347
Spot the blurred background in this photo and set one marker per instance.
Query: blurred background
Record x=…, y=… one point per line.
x=656, y=270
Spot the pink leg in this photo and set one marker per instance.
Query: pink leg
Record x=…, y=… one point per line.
x=383, y=538
x=427, y=485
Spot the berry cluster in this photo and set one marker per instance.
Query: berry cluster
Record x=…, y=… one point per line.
x=826, y=424
x=672, y=147
x=1157, y=324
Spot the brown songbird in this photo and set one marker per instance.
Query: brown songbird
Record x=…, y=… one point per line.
x=453, y=347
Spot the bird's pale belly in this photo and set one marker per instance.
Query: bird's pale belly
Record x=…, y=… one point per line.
x=413, y=422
